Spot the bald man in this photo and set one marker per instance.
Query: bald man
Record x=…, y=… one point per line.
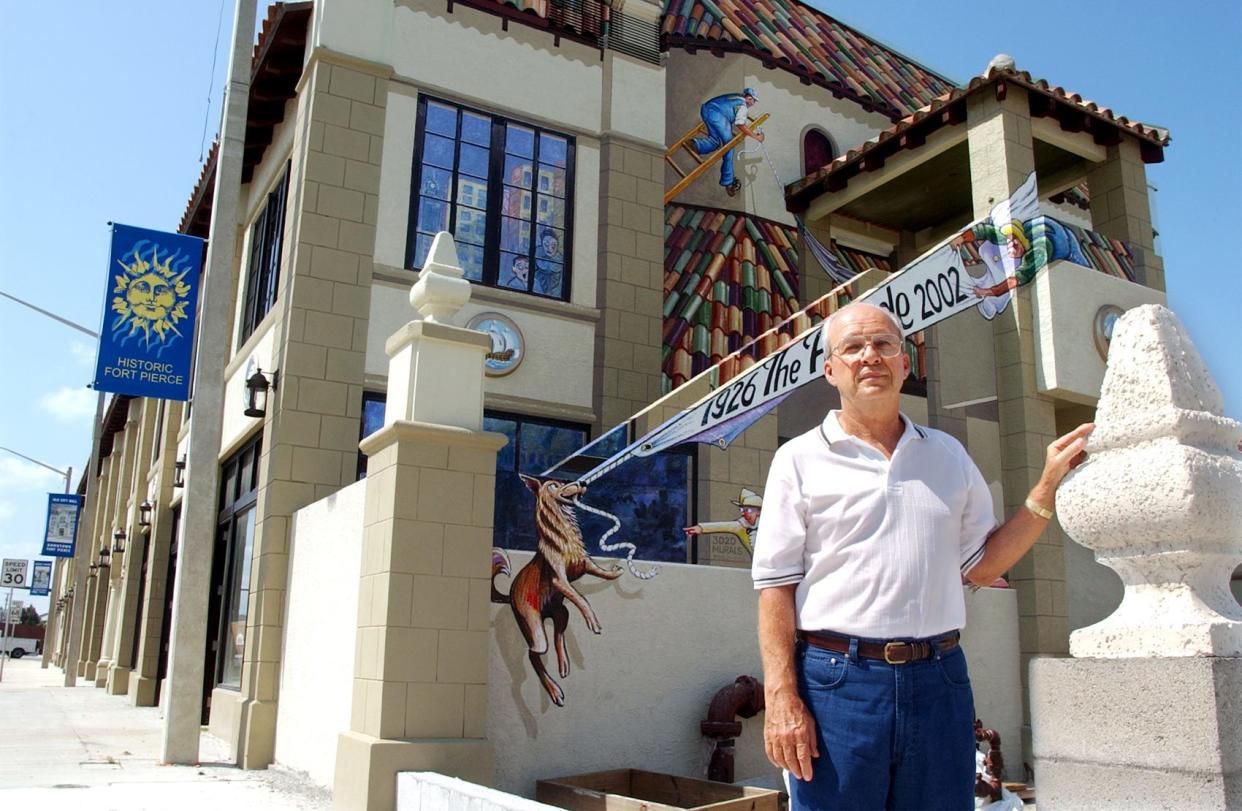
x=870, y=523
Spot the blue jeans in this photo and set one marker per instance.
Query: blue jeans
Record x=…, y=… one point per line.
x=719, y=132
x=890, y=736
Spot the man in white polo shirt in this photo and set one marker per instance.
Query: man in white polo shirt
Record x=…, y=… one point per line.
x=869, y=524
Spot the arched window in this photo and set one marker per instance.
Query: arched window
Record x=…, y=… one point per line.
x=816, y=151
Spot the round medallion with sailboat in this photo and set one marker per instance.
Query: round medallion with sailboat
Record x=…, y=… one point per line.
x=508, y=346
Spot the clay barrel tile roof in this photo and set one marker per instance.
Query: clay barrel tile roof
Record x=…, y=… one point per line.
x=950, y=108
x=808, y=43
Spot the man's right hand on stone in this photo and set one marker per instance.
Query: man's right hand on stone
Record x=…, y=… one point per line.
x=789, y=733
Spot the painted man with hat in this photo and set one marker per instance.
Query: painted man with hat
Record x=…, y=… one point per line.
x=720, y=115
x=748, y=503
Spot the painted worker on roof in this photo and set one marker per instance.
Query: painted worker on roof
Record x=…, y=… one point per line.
x=869, y=523
x=720, y=115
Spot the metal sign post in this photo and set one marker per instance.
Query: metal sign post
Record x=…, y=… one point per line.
x=8, y=619
x=13, y=575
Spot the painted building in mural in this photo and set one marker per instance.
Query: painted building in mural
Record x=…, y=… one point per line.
x=615, y=294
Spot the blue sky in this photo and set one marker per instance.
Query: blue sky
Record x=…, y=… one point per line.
x=105, y=107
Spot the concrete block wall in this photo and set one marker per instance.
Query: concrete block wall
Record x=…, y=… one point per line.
x=1001, y=157
x=310, y=442
x=631, y=279
x=1120, y=207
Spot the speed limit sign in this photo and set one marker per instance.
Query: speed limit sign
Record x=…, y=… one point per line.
x=13, y=573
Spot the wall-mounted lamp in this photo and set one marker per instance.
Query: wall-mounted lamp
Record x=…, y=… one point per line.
x=179, y=472
x=94, y=570
x=118, y=541
x=69, y=593
x=105, y=557
x=257, y=386
x=145, y=509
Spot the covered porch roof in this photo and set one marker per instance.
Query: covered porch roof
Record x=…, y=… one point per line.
x=916, y=174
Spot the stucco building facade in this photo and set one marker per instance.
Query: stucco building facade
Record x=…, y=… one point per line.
x=536, y=133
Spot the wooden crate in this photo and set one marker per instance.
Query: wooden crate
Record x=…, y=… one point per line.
x=638, y=790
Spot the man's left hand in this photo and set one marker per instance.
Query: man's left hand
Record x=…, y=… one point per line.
x=1063, y=455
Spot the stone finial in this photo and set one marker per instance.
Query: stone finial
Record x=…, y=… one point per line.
x=441, y=291
x=1001, y=62
x=1159, y=499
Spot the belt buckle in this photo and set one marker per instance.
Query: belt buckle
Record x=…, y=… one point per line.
x=889, y=647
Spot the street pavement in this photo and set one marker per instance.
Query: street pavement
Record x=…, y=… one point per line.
x=77, y=747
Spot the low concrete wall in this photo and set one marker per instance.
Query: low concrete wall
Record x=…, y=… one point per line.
x=636, y=693
x=428, y=791
x=321, y=622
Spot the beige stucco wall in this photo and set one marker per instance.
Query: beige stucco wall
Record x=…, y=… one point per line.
x=318, y=652
x=398, y=166
x=559, y=349
x=259, y=351
x=1066, y=299
x=793, y=107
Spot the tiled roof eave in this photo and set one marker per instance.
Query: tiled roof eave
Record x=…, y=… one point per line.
x=805, y=75
x=275, y=67
x=1071, y=111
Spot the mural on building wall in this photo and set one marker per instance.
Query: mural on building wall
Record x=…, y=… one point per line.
x=539, y=590
x=744, y=527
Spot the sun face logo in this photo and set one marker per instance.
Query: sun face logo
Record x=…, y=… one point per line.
x=149, y=298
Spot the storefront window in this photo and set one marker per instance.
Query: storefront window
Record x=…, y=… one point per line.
x=234, y=641
x=230, y=600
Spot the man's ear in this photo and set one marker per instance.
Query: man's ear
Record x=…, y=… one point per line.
x=828, y=371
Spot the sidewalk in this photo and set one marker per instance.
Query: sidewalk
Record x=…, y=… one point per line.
x=81, y=748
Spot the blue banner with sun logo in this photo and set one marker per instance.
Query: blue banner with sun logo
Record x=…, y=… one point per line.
x=146, y=340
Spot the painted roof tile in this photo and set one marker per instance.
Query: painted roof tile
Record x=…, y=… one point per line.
x=731, y=283
x=808, y=43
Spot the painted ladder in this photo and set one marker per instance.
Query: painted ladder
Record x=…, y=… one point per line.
x=703, y=162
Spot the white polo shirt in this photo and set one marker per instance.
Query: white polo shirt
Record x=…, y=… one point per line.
x=877, y=546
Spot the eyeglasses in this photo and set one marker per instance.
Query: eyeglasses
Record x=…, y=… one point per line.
x=851, y=347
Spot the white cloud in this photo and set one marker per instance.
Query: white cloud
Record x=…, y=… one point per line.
x=7, y=511
x=71, y=404
x=18, y=474
x=83, y=353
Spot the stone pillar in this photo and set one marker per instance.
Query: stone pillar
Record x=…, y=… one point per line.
x=1001, y=158
x=122, y=461
x=112, y=606
x=310, y=443
x=143, y=680
x=98, y=612
x=424, y=606
x=1121, y=209
x=1147, y=714
x=631, y=279
x=127, y=565
x=87, y=601
x=53, y=615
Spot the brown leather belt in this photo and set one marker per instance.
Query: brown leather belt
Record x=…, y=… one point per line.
x=897, y=652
